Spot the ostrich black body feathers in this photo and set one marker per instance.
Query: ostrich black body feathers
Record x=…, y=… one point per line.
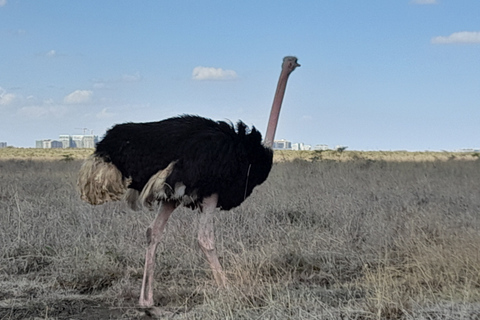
x=208, y=157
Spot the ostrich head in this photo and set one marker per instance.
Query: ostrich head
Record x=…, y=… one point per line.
x=289, y=64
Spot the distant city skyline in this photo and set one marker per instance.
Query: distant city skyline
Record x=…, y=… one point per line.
x=68, y=141
x=279, y=144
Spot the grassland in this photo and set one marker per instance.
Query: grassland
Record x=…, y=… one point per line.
x=363, y=237
x=279, y=156
x=44, y=154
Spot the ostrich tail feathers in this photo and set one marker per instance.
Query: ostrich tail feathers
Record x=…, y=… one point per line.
x=155, y=189
x=101, y=181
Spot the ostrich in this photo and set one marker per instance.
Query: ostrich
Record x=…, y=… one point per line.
x=185, y=160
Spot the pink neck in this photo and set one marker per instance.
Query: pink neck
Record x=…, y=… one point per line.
x=277, y=103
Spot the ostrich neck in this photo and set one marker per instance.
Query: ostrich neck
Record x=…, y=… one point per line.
x=275, y=112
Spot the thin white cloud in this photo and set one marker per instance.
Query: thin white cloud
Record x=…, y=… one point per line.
x=458, y=37
x=18, y=32
x=132, y=77
x=104, y=114
x=424, y=1
x=209, y=73
x=3, y=2
x=78, y=97
x=5, y=97
x=100, y=85
x=49, y=101
x=111, y=83
x=51, y=53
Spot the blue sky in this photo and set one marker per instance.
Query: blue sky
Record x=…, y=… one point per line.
x=375, y=75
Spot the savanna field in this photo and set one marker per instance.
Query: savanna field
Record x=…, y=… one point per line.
x=329, y=235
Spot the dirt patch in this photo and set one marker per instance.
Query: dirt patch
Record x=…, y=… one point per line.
x=60, y=309
x=76, y=309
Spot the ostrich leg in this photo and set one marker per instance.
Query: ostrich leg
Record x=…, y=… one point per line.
x=206, y=238
x=154, y=235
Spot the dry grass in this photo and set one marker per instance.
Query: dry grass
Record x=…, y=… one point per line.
x=390, y=156
x=362, y=239
x=44, y=154
x=279, y=156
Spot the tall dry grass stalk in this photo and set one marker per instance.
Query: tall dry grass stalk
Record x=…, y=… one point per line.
x=360, y=239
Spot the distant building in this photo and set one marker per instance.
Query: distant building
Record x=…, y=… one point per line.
x=77, y=141
x=3, y=144
x=56, y=144
x=322, y=147
x=84, y=141
x=90, y=141
x=68, y=141
x=47, y=144
x=301, y=146
x=296, y=146
x=282, y=145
